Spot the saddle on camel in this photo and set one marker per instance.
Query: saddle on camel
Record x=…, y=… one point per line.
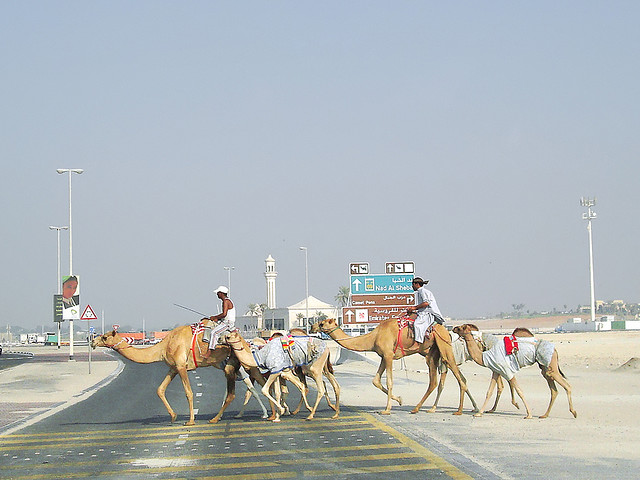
x=182, y=350
x=393, y=339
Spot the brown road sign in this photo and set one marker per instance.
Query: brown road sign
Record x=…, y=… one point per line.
x=399, y=267
x=382, y=300
x=361, y=268
x=373, y=314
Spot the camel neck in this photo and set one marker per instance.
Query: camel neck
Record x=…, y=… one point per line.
x=243, y=354
x=361, y=343
x=154, y=353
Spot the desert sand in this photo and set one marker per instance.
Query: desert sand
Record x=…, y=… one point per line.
x=603, y=369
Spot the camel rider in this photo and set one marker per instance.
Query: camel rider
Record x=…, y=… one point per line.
x=425, y=308
x=223, y=321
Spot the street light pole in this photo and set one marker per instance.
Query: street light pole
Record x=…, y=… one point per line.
x=228, y=269
x=70, y=171
x=306, y=283
x=588, y=216
x=58, y=289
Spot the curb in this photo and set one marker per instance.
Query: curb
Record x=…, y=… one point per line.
x=83, y=395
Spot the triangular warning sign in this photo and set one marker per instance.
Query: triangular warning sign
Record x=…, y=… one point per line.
x=88, y=314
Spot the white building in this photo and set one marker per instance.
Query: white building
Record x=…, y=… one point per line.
x=607, y=322
x=298, y=315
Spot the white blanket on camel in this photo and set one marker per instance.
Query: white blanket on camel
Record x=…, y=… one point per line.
x=530, y=350
x=273, y=358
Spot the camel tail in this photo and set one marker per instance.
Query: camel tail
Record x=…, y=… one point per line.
x=329, y=366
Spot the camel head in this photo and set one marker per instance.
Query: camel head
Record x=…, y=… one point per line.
x=106, y=339
x=230, y=337
x=464, y=329
x=327, y=325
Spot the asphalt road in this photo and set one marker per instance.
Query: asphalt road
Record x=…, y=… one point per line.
x=123, y=431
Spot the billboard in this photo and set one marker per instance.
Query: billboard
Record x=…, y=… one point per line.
x=70, y=297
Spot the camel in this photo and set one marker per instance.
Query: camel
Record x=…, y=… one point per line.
x=316, y=369
x=529, y=351
x=182, y=350
x=461, y=355
x=261, y=342
x=391, y=342
x=302, y=372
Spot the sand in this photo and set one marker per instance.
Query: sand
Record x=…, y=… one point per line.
x=604, y=372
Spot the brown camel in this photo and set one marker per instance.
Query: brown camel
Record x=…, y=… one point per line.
x=242, y=352
x=461, y=355
x=181, y=352
x=551, y=372
x=391, y=343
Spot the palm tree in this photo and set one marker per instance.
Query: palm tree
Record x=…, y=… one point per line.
x=254, y=309
x=343, y=297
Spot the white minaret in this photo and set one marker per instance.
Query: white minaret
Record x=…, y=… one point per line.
x=270, y=274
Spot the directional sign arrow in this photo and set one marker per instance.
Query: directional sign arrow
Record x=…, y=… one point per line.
x=350, y=314
x=357, y=284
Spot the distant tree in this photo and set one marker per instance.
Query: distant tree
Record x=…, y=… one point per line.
x=319, y=316
x=517, y=307
x=254, y=309
x=343, y=296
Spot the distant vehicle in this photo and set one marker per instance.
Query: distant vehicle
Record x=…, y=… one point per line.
x=0, y=349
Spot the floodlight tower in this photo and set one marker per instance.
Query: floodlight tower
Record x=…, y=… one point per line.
x=588, y=216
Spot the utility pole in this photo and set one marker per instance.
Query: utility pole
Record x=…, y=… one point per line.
x=588, y=216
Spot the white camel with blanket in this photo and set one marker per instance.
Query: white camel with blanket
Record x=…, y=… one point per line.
x=461, y=355
x=279, y=357
x=506, y=357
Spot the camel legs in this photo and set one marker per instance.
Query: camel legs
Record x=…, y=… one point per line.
x=386, y=365
x=162, y=388
x=251, y=391
x=500, y=385
x=315, y=371
x=552, y=375
x=336, y=390
x=265, y=391
x=184, y=376
x=447, y=357
x=291, y=377
x=432, y=362
x=514, y=383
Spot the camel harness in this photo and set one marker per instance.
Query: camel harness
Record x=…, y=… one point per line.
x=196, y=328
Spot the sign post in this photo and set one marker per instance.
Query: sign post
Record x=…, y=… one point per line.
x=89, y=315
x=58, y=308
x=379, y=297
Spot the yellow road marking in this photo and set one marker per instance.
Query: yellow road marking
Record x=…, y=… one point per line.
x=361, y=422
x=200, y=436
x=145, y=470
x=439, y=462
x=214, y=456
x=223, y=425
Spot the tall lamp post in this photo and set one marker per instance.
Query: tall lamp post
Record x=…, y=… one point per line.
x=588, y=216
x=58, y=286
x=306, y=284
x=228, y=269
x=70, y=171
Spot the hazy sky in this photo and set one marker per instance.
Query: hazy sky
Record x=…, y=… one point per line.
x=458, y=135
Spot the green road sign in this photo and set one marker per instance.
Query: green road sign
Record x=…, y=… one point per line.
x=57, y=308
